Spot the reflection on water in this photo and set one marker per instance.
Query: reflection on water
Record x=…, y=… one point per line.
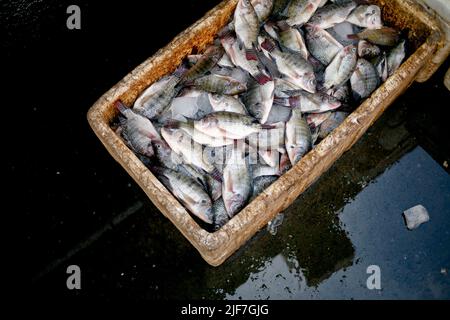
x=349, y=219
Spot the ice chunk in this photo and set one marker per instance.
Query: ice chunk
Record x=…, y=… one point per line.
x=415, y=216
x=273, y=225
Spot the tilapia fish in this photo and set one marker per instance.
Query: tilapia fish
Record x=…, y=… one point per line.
x=364, y=79
x=191, y=151
x=366, y=16
x=396, y=57
x=263, y=8
x=219, y=84
x=332, y=14
x=229, y=125
x=293, y=66
x=298, y=136
x=137, y=130
x=384, y=36
x=292, y=39
x=321, y=44
x=156, y=99
x=226, y=103
x=204, y=63
x=311, y=103
x=367, y=50
x=238, y=57
x=188, y=191
x=341, y=68
x=259, y=99
x=219, y=213
x=236, y=186
x=246, y=26
x=300, y=11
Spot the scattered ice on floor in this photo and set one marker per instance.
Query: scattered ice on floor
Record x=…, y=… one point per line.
x=415, y=216
x=273, y=225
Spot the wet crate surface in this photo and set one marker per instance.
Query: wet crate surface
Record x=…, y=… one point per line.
x=216, y=247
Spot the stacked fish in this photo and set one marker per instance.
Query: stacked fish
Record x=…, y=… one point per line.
x=278, y=78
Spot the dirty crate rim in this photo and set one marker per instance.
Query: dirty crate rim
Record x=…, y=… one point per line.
x=216, y=247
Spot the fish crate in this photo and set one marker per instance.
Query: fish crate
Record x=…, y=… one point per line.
x=425, y=38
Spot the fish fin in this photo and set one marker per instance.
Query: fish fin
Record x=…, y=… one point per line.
x=268, y=126
x=250, y=54
x=281, y=101
x=268, y=45
x=353, y=36
x=216, y=175
x=121, y=107
x=181, y=71
x=262, y=78
x=282, y=25
x=172, y=124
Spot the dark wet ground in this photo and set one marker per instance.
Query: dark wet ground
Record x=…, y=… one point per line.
x=75, y=205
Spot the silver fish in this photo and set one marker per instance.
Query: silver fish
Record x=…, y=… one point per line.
x=292, y=39
x=396, y=57
x=321, y=44
x=364, y=79
x=259, y=99
x=298, y=137
x=269, y=139
x=382, y=67
x=300, y=11
x=238, y=57
x=263, y=8
x=366, y=16
x=219, y=213
x=188, y=191
x=246, y=25
x=219, y=84
x=214, y=187
x=204, y=64
x=192, y=152
x=261, y=183
x=229, y=125
x=341, y=93
x=200, y=137
x=330, y=15
x=156, y=99
x=333, y=121
x=226, y=103
x=236, y=186
x=296, y=69
x=341, y=68
x=137, y=130
x=367, y=50
x=310, y=103
x=314, y=120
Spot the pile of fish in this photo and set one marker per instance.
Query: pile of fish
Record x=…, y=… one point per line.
x=278, y=78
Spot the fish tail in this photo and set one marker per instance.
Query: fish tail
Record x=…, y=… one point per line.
x=283, y=25
x=216, y=175
x=172, y=124
x=262, y=78
x=268, y=126
x=181, y=71
x=268, y=45
x=353, y=36
x=121, y=107
x=250, y=54
x=281, y=101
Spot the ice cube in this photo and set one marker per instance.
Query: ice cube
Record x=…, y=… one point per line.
x=415, y=216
